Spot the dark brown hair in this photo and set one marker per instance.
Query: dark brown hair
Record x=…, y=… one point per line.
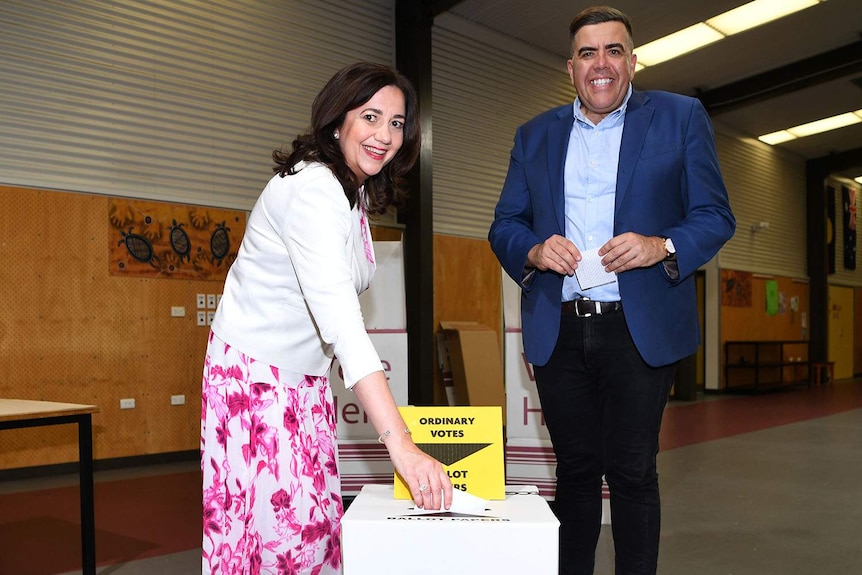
x=348, y=89
x=598, y=15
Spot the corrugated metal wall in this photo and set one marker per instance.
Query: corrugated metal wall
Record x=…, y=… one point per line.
x=484, y=88
x=182, y=100
x=185, y=100
x=764, y=185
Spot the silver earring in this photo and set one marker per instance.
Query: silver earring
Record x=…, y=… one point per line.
x=335, y=134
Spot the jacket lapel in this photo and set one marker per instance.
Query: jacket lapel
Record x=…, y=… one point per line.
x=558, y=144
x=638, y=118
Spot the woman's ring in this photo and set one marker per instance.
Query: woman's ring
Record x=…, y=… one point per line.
x=423, y=487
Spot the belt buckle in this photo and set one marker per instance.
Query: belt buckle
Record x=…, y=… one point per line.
x=592, y=305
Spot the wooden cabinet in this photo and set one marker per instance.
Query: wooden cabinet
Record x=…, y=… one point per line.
x=752, y=366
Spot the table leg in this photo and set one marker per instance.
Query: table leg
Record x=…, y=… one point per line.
x=88, y=518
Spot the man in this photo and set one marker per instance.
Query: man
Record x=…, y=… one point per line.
x=634, y=175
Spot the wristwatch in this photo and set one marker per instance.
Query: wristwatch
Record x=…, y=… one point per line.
x=670, y=249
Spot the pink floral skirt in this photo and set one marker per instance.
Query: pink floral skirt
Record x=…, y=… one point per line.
x=271, y=491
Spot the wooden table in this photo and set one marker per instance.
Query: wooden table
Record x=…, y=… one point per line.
x=18, y=413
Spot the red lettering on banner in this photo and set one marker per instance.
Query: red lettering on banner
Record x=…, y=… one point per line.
x=528, y=367
x=349, y=413
x=528, y=410
x=352, y=413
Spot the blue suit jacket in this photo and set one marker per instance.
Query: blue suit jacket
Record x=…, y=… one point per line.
x=668, y=184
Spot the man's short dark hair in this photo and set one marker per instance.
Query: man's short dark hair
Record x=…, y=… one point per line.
x=598, y=15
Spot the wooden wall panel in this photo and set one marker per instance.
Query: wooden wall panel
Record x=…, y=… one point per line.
x=753, y=323
x=466, y=282
x=467, y=287
x=385, y=233
x=70, y=332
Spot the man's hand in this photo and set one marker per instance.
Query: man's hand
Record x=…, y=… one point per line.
x=630, y=250
x=556, y=254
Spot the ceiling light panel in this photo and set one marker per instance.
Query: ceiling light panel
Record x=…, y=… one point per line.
x=756, y=13
x=825, y=125
x=778, y=137
x=677, y=44
x=811, y=128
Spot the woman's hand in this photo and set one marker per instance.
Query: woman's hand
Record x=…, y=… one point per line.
x=425, y=477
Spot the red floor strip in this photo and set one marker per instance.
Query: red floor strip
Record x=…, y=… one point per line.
x=135, y=519
x=690, y=423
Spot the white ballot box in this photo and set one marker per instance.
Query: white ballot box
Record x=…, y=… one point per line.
x=381, y=535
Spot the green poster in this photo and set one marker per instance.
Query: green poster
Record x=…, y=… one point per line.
x=771, y=297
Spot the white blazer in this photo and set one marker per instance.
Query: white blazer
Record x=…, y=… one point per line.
x=291, y=298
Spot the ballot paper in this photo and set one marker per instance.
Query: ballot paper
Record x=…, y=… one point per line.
x=590, y=271
x=462, y=502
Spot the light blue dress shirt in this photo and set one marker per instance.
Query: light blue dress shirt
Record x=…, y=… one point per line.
x=590, y=188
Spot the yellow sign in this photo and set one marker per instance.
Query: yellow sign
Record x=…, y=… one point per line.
x=468, y=441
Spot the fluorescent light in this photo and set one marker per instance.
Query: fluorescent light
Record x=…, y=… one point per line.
x=756, y=13
x=677, y=44
x=811, y=128
x=703, y=33
x=825, y=125
x=778, y=137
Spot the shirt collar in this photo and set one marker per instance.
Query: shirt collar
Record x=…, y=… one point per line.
x=616, y=114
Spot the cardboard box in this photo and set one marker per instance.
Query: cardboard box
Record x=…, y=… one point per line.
x=477, y=366
x=381, y=536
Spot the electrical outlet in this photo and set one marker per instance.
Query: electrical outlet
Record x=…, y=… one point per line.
x=202, y=318
x=202, y=300
x=211, y=300
x=127, y=403
x=178, y=311
x=210, y=317
x=178, y=400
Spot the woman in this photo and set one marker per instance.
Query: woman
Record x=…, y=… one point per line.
x=272, y=496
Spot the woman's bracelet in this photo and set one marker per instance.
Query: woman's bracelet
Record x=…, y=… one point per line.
x=387, y=433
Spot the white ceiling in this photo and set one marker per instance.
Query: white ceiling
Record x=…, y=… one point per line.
x=827, y=26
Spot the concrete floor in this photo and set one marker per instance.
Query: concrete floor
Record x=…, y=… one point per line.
x=784, y=500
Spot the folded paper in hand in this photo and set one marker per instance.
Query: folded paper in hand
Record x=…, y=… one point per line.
x=462, y=502
x=590, y=271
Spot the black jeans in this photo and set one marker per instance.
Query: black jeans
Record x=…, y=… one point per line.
x=603, y=407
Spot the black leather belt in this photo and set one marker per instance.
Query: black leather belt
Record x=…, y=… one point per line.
x=588, y=307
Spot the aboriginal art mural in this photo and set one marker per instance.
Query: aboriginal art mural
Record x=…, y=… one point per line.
x=736, y=288
x=164, y=240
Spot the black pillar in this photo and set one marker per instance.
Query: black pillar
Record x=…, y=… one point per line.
x=816, y=172
x=414, y=20
x=818, y=262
